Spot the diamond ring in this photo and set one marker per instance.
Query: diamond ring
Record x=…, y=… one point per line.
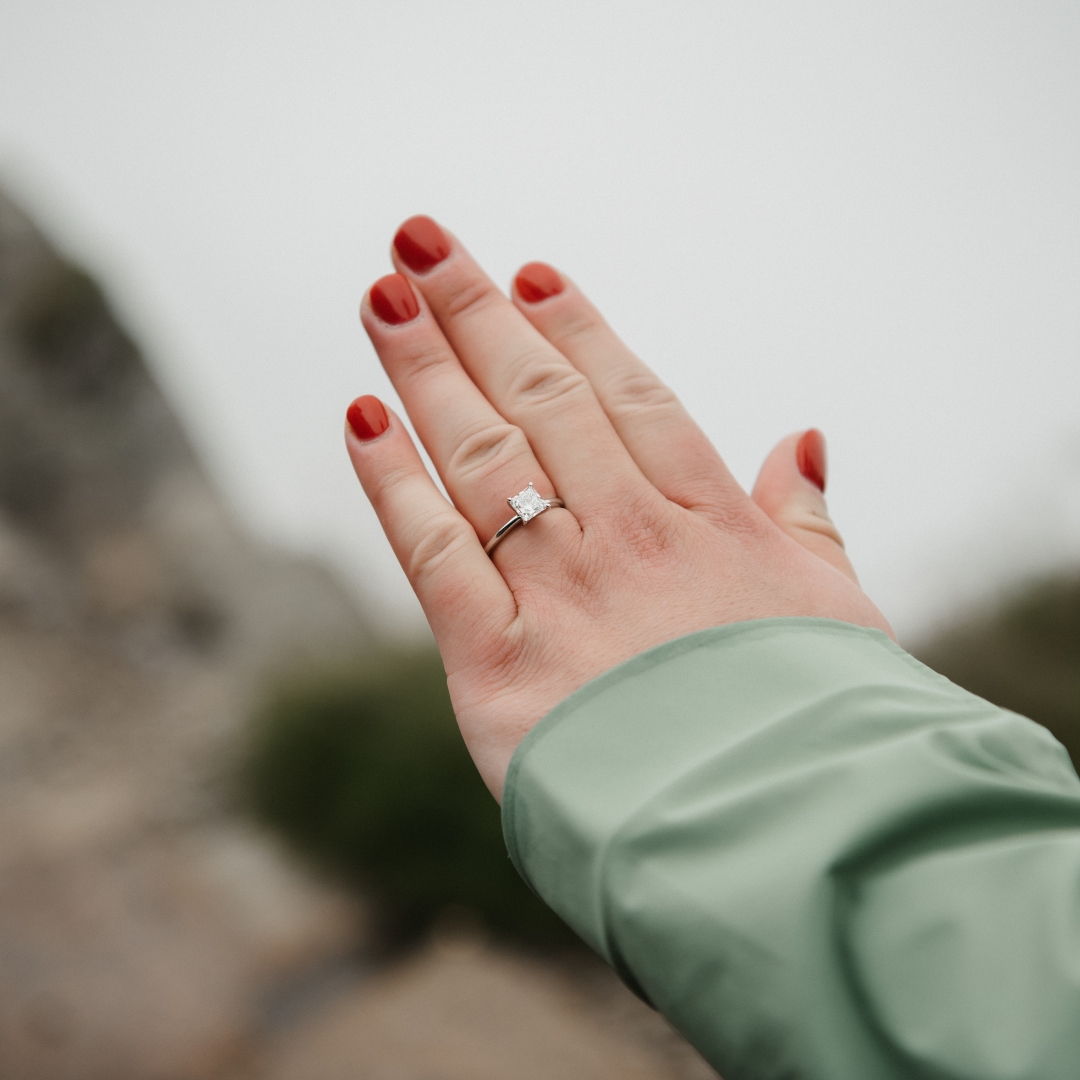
x=526, y=505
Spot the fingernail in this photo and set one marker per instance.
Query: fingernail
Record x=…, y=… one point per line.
x=393, y=301
x=537, y=281
x=367, y=418
x=810, y=455
x=421, y=244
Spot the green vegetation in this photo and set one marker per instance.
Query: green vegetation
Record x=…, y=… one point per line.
x=366, y=773
x=1024, y=655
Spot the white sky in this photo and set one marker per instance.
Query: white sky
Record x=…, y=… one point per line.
x=860, y=216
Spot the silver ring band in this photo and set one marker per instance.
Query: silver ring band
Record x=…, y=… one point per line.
x=526, y=505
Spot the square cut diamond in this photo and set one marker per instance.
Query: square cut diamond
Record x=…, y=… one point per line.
x=527, y=504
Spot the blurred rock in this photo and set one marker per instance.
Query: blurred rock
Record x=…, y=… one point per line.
x=108, y=523
x=142, y=929
x=461, y=1010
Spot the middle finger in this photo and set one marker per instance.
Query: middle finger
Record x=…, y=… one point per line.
x=525, y=377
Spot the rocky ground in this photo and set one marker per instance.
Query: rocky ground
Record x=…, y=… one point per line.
x=461, y=1010
x=147, y=932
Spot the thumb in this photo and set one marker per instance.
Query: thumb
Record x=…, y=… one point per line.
x=791, y=490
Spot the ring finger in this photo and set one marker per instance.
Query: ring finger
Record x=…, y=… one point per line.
x=481, y=458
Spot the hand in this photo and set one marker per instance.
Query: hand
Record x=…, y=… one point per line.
x=657, y=539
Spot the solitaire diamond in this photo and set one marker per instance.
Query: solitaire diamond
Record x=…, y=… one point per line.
x=527, y=504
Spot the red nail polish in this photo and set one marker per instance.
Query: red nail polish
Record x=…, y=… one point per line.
x=421, y=244
x=367, y=417
x=393, y=301
x=810, y=455
x=537, y=281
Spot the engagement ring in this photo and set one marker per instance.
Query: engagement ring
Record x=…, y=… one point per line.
x=526, y=505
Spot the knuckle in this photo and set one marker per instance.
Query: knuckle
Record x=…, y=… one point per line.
x=443, y=538
x=424, y=360
x=643, y=529
x=486, y=449
x=734, y=515
x=542, y=379
x=505, y=660
x=585, y=580
x=637, y=391
x=579, y=326
x=384, y=485
x=472, y=296
x=807, y=521
x=651, y=539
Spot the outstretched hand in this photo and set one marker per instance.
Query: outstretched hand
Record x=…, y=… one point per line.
x=656, y=540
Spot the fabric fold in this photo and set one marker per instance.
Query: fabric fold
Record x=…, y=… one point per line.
x=799, y=843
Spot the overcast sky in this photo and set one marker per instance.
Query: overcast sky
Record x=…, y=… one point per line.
x=864, y=217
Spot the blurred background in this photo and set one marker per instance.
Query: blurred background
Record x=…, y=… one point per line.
x=239, y=835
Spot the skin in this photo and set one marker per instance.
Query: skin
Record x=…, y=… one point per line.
x=658, y=540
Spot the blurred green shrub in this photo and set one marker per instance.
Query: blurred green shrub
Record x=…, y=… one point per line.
x=1024, y=655
x=365, y=772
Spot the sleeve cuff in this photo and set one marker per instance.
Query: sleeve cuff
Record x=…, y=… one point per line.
x=720, y=818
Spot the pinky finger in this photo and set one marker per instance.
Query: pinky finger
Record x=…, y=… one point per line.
x=457, y=585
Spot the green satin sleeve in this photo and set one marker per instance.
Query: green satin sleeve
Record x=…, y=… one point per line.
x=818, y=858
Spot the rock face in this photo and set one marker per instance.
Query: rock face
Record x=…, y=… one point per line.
x=108, y=523
x=144, y=932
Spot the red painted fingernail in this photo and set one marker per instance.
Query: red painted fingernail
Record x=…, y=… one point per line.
x=421, y=244
x=537, y=281
x=810, y=455
x=393, y=301
x=367, y=417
